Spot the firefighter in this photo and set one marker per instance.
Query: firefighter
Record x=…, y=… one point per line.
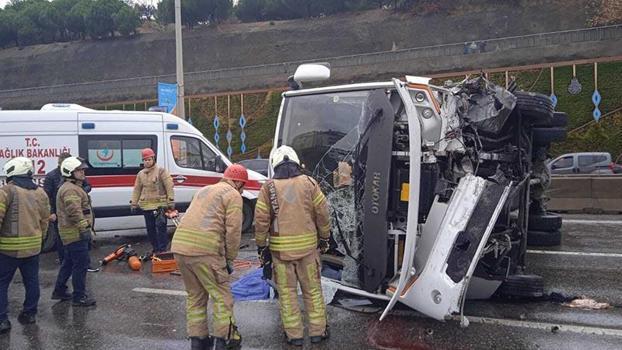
x=24, y=217
x=53, y=181
x=75, y=222
x=292, y=221
x=205, y=244
x=153, y=193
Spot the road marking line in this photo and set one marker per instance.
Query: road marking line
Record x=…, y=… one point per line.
x=553, y=327
x=592, y=222
x=160, y=291
x=183, y=294
x=552, y=252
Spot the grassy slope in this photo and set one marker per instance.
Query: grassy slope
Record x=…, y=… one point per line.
x=261, y=111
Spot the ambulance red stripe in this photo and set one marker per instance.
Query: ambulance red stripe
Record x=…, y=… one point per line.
x=102, y=181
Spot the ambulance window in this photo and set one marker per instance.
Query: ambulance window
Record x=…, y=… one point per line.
x=115, y=154
x=187, y=152
x=132, y=157
x=209, y=158
x=104, y=153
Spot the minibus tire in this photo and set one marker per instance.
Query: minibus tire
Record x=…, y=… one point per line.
x=522, y=287
x=545, y=222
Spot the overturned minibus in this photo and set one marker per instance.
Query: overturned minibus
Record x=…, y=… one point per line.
x=429, y=186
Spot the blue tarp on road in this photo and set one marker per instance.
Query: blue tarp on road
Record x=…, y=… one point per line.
x=251, y=287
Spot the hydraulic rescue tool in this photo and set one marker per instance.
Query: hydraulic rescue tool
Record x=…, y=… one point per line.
x=121, y=253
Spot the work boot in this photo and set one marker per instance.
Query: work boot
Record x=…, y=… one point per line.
x=5, y=326
x=234, y=344
x=26, y=318
x=58, y=295
x=318, y=338
x=295, y=341
x=84, y=301
x=219, y=344
x=197, y=343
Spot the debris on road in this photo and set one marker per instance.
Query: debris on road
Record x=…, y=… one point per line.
x=587, y=304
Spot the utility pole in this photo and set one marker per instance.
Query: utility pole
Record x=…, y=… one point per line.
x=179, y=58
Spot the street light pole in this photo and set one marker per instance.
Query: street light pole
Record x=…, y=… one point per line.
x=179, y=58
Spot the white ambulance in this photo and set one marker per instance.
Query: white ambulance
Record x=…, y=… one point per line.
x=111, y=141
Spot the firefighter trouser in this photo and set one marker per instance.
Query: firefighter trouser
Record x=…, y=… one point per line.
x=206, y=276
x=29, y=268
x=287, y=275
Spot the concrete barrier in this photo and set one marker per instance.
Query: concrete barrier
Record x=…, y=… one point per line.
x=581, y=193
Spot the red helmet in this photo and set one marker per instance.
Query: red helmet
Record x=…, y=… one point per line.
x=236, y=172
x=147, y=153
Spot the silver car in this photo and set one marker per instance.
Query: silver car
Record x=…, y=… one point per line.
x=582, y=163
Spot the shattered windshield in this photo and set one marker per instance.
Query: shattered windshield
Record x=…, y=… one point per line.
x=325, y=130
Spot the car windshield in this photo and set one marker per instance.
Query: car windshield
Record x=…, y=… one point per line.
x=255, y=164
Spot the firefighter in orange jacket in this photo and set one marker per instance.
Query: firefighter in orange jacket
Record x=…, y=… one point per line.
x=205, y=244
x=292, y=220
x=153, y=191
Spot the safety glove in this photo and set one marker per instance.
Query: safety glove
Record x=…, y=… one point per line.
x=323, y=245
x=264, y=255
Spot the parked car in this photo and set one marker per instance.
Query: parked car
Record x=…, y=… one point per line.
x=616, y=166
x=584, y=163
x=258, y=165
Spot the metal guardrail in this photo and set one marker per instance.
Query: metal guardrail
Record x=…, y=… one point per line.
x=581, y=193
x=267, y=72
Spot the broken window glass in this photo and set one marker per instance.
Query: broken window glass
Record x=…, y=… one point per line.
x=325, y=131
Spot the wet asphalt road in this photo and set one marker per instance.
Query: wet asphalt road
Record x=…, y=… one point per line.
x=128, y=319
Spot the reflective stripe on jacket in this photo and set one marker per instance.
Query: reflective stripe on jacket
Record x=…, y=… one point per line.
x=73, y=210
x=153, y=189
x=303, y=216
x=24, y=219
x=212, y=225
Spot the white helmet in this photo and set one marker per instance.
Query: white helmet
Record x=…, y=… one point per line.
x=282, y=154
x=18, y=166
x=72, y=164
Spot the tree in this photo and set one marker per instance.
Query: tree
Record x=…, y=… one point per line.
x=49, y=21
x=126, y=21
x=77, y=17
x=166, y=11
x=63, y=9
x=27, y=32
x=250, y=10
x=146, y=12
x=8, y=30
x=99, y=21
x=34, y=22
x=194, y=12
x=221, y=10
